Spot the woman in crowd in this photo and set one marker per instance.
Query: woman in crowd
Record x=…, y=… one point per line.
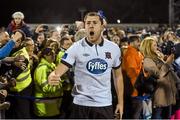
x=18, y=23
x=165, y=93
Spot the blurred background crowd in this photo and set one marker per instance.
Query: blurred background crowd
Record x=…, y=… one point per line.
x=29, y=53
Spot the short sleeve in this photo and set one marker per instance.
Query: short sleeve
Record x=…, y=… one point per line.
x=117, y=59
x=69, y=56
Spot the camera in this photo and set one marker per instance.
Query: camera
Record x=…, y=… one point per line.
x=168, y=48
x=45, y=28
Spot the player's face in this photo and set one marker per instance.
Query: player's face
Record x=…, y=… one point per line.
x=93, y=27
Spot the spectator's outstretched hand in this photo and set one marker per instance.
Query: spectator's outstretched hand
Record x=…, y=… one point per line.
x=39, y=28
x=20, y=62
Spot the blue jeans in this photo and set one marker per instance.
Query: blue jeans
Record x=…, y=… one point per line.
x=161, y=112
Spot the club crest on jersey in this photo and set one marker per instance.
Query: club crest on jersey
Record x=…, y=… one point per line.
x=65, y=56
x=108, y=55
x=97, y=66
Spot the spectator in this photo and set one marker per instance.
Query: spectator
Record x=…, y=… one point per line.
x=39, y=30
x=132, y=64
x=46, y=108
x=65, y=43
x=5, y=83
x=21, y=72
x=18, y=23
x=116, y=39
x=6, y=49
x=79, y=25
x=40, y=42
x=28, y=43
x=124, y=45
x=80, y=34
x=164, y=95
x=4, y=37
x=54, y=34
x=54, y=44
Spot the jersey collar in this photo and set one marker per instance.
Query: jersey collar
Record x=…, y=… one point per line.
x=91, y=44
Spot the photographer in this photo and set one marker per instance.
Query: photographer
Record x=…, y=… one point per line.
x=42, y=28
x=168, y=46
x=40, y=34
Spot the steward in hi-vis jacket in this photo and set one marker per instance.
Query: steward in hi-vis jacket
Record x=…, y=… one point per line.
x=50, y=107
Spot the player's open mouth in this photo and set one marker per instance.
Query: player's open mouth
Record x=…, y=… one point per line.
x=91, y=33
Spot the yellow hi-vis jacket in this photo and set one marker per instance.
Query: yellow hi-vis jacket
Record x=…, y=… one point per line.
x=24, y=79
x=50, y=107
x=59, y=56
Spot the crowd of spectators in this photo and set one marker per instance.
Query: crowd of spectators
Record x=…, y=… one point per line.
x=28, y=56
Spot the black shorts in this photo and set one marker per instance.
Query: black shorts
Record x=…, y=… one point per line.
x=86, y=112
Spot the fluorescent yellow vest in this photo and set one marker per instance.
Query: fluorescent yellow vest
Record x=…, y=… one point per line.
x=24, y=79
x=59, y=56
x=50, y=107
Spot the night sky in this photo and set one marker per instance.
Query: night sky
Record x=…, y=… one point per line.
x=68, y=11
